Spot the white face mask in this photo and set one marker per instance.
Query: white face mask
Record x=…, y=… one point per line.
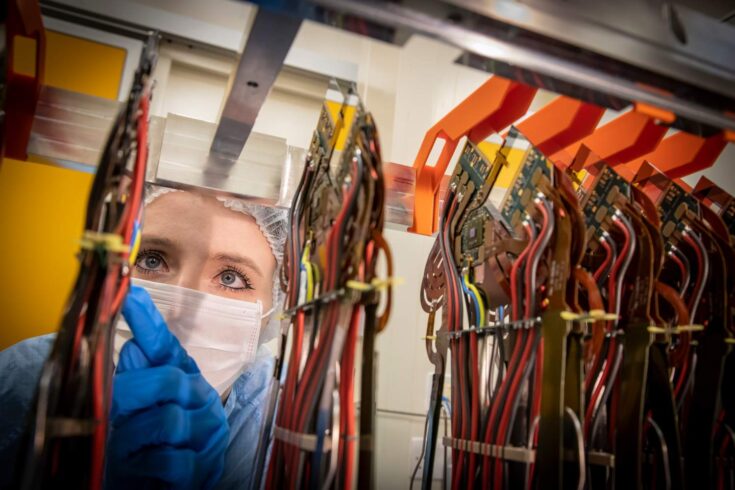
x=220, y=334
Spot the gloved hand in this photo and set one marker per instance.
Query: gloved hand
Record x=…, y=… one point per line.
x=168, y=425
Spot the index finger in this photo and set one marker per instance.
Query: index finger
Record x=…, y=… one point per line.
x=151, y=333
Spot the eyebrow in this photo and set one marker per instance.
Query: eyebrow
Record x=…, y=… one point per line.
x=242, y=260
x=159, y=241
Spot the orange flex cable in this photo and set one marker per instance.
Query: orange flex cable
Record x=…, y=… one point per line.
x=594, y=302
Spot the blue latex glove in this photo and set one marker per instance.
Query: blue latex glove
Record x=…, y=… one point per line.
x=168, y=425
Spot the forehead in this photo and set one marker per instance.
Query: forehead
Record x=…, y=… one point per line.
x=202, y=224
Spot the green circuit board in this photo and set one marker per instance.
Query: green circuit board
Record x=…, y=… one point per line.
x=673, y=206
x=323, y=139
x=598, y=205
x=534, y=167
x=475, y=164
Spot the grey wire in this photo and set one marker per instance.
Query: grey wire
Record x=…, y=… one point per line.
x=705, y=273
x=624, y=267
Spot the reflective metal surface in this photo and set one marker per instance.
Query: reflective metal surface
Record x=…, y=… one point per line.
x=70, y=128
x=185, y=160
x=270, y=38
x=659, y=36
x=667, y=56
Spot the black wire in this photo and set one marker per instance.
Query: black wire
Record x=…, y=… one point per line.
x=320, y=369
x=516, y=401
x=421, y=456
x=597, y=367
x=608, y=391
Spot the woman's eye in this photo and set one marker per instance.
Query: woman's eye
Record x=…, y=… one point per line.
x=150, y=262
x=234, y=280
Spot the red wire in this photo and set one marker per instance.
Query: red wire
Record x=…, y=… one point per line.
x=130, y=213
x=612, y=279
x=527, y=341
x=475, y=411
x=459, y=426
x=536, y=245
x=308, y=386
x=606, y=262
x=700, y=271
x=600, y=385
x=111, y=302
x=536, y=407
x=680, y=265
x=515, y=384
x=612, y=306
x=347, y=382
x=100, y=432
x=515, y=272
x=293, y=369
x=101, y=388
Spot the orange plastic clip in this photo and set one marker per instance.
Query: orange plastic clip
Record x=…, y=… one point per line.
x=710, y=193
x=496, y=104
x=682, y=154
x=560, y=123
x=626, y=137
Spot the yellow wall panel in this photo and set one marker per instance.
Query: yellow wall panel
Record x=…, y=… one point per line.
x=42, y=206
x=77, y=64
x=42, y=216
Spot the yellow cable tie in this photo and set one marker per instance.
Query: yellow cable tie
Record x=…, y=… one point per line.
x=729, y=340
x=375, y=284
x=656, y=330
x=589, y=317
x=109, y=241
x=429, y=337
x=359, y=286
x=603, y=315
x=688, y=328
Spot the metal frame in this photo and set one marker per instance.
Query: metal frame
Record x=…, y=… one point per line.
x=641, y=63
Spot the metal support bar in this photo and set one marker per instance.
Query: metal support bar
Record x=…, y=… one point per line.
x=268, y=43
x=507, y=32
